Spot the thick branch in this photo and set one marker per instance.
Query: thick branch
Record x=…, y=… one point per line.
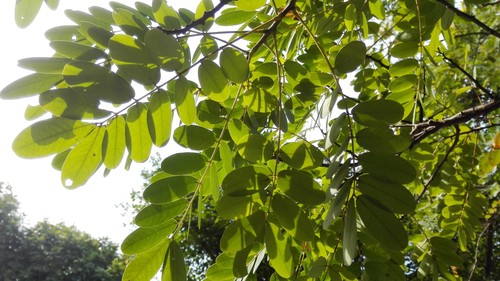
x=468, y=17
x=202, y=20
x=424, y=129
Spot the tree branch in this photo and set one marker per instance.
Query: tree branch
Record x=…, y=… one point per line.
x=441, y=163
x=477, y=83
x=424, y=129
x=468, y=17
x=202, y=20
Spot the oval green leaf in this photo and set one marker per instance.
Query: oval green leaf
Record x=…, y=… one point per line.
x=160, y=118
x=234, y=65
x=378, y=112
x=291, y=217
x=255, y=148
x=194, y=137
x=30, y=85
x=139, y=139
x=246, y=180
x=169, y=59
x=115, y=143
x=350, y=57
x=300, y=186
x=170, y=189
x=145, y=238
x=183, y=163
x=156, y=214
x=301, y=155
x=387, y=167
x=213, y=81
x=394, y=197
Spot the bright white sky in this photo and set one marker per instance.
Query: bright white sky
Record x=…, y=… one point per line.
x=91, y=208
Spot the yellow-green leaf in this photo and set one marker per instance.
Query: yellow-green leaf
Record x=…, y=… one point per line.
x=140, y=142
x=160, y=118
x=115, y=142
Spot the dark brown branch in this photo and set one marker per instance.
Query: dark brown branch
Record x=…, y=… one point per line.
x=441, y=163
x=274, y=26
x=490, y=4
x=464, y=72
x=424, y=129
x=202, y=20
x=379, y=61
x=468, y=17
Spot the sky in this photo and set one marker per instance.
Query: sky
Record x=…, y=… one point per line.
x=91, y=208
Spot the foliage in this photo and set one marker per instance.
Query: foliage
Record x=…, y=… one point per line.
x=392, y=175
x=51, y=252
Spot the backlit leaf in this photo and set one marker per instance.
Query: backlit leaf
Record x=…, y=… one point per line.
x=394, y=197
x=156, y=214
x=183, y=163
x=44, y=65
x=115, y=143
x=234, y=65
x=165, y=15
x=131, y=24
x=30, y=85
x=382, y=140
x=300, y=186
x=250, y=5
x=174, y=267
x=83, y=160
x=26, y=11
x=350, y=57
x=213, y=81
x=388, y=168
x=194, y=137
x=301, y=155
x=131, y=57
x=246, y=181
x=350, y=237
x=140, y=142
x=259, y=100
x=145, y=265
x=145, y=238
x=160, y=118
x=76, y=51
x=378, y=112
x=278, y=250
x=50, y=136
x=169, y=189
x=184, y=101
x=98, y=82
x=292, y=218
x=241, y=233
x=255, y=148
x=383, y=225
x=169, y=59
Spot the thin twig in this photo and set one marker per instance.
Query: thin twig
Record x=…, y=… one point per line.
x=468, y=17
x=477, y=83
x=441, y=163
x=202, y=20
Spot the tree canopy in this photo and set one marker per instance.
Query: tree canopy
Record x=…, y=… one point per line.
x=51, y=252
x=340, y=140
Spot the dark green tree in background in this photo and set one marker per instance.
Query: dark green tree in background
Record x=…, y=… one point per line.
x=333, y=140
x=51, y=252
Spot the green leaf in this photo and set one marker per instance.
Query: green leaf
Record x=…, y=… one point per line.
x=238, y=129
x=97, y=82
x=50, y=136
x=157, y=214
x=143, y=267
x=140, y=142
x=183, y=163
x=260, y=100
x=184, y=100
x=65, y=102
x=350, y=234
x=445, y=251
x=229, y=207
x=234, y=65
x=170, y=189
x=394, y=197
x=383, y=225
x=301, y=187
x=301, y=155
x=208, y=47
x=130, y=23
x=210, y=112
x=78, y=51
x=318, y=267
x=378, y=112
x=389, y=168
x=338, y=203
x=255, y=148
x=33, y=112
x=160, y=118
x=64, y=33
x=404, y=50
x=292, y=218
x=250, y=5
x=350, y=57
x=204, y=6
x=115, y=142
x=79, y=17
x=169, y=59
x=233, y=16
x=30, y=85
x=243, y=232
x=279, y=252
x=403, y=83
x=194, y=137
x=213, y=81
x=335, y=129
x=145, y=238
x=382, y=140
x=165, y=15
x=246, y=181
x=132, y=57
x=403, y=67
x=26, y=11
x=44, y=65
x=174, y=267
